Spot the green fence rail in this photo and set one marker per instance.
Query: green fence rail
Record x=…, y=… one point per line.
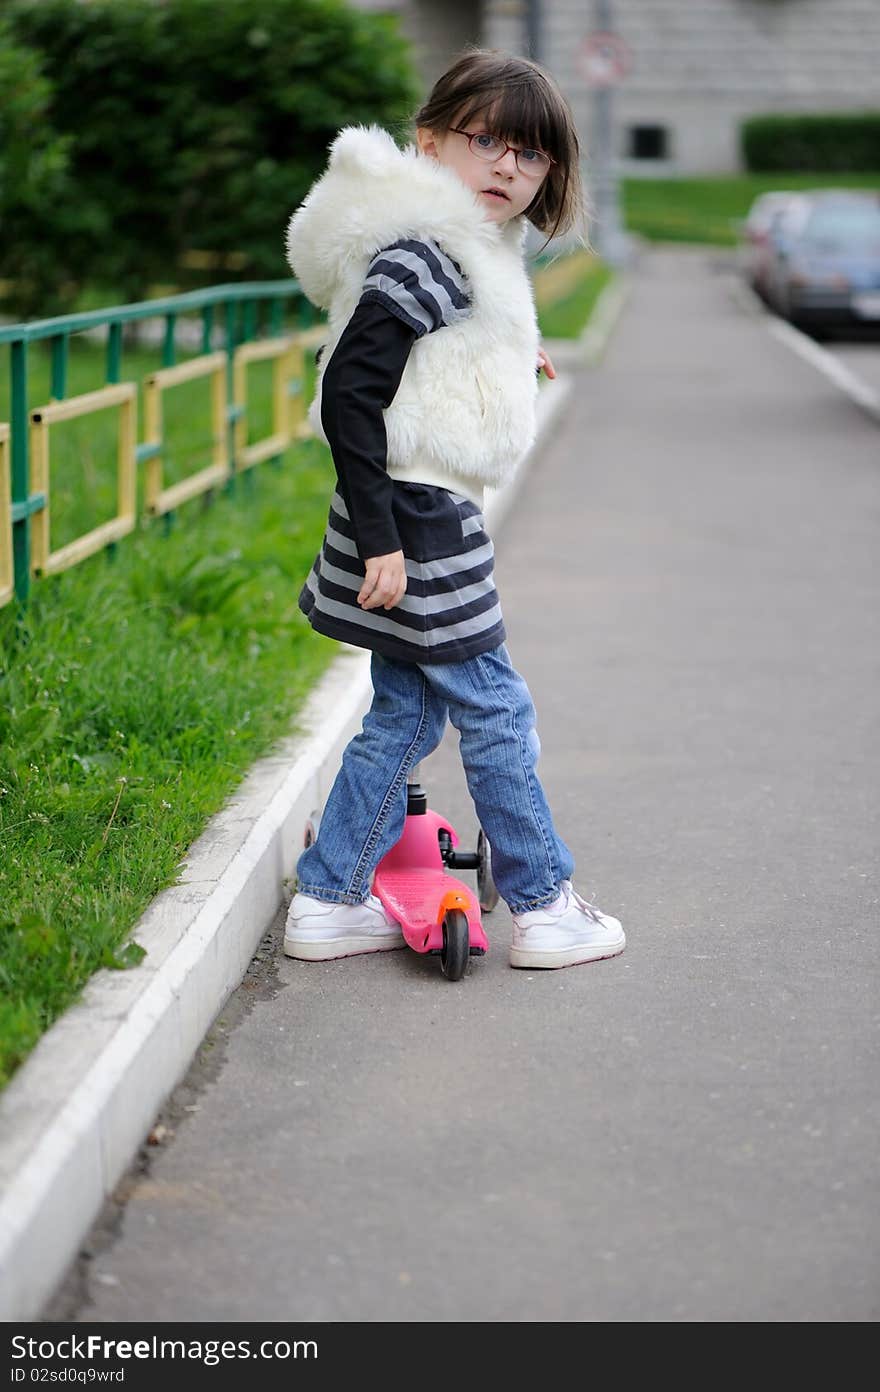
x=24, y=446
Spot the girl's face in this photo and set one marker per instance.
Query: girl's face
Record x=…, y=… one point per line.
x=502, y=188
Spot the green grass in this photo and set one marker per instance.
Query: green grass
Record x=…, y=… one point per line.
x=565, y=315
x=708, y=209
x=136, y=692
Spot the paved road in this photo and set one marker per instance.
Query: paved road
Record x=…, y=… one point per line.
x=688, y=1132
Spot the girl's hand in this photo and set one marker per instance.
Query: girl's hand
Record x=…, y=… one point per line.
x=545, y=362
x=384, y=582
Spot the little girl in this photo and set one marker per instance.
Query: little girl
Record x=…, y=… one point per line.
x=426, y=394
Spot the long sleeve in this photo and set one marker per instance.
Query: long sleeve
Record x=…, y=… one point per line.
x=360, y=381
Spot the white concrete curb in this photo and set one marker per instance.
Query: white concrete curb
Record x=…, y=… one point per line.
x=837, y=372
x=847, y=381
x=76, y=1112
x=609, y=307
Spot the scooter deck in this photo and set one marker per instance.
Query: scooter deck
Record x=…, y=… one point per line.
x=414, y=898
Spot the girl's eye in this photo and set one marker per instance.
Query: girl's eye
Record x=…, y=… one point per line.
x=530, y=156
x=485, y=142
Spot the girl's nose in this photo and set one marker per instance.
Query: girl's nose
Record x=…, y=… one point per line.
x=507, y=163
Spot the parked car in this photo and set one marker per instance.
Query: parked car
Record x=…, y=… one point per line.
x=823, y=269
x=767, y=218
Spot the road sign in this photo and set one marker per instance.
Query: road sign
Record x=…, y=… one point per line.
x=604, y=59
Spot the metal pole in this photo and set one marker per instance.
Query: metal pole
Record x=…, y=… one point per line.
x=533, y=30
x=21, y=478
x=611, y=241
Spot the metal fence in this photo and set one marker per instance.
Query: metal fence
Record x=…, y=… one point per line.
x=26, y=548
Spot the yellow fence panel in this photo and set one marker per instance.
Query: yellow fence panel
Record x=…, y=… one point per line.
x=157, y=498
x=7, y=574
x=284, y=352
x=289, y=421
x=45, y=561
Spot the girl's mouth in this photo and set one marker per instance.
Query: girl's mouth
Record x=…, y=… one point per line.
x=497, y=193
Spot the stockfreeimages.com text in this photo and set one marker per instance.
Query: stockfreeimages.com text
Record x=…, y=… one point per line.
x=208, y=1351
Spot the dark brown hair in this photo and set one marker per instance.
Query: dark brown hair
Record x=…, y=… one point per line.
x=519, y=101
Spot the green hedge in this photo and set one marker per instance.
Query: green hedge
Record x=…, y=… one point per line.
x=838, y=142
x=191, y=125
x=33, y=169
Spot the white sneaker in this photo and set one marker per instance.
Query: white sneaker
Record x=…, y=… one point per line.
x=564, y=933
x=317, y=931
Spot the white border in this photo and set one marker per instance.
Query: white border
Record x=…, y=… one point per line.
x=864, y=396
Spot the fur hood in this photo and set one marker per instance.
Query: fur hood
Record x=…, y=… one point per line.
x=427, y=200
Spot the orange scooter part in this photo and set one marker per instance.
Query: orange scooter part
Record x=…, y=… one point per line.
x=453, y=899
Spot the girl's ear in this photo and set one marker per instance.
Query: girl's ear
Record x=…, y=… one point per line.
x=427, y=142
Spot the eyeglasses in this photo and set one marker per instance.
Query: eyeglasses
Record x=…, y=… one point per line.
x=490, y=148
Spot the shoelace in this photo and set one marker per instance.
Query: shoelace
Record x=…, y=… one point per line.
x=590, y=909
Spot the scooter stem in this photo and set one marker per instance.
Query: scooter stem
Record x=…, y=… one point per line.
x=416, y=797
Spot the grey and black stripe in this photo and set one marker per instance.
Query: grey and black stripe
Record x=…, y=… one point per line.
x=419, y=283
x=451, y=609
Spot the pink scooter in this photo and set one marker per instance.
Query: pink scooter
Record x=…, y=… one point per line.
x=436, y=912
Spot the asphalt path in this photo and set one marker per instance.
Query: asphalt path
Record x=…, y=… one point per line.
x=688, y=1132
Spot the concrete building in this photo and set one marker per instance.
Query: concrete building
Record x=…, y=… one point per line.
x=697, y=68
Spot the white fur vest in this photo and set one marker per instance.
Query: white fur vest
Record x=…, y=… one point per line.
x=464, y=412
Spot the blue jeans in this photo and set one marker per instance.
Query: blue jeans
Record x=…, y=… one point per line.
x=489, y=704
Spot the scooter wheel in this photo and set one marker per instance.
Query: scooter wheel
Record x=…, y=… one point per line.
x=455, y=952
x=486, y=891
x=310, y=835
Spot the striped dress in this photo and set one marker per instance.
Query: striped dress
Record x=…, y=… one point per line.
x=450, y=611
